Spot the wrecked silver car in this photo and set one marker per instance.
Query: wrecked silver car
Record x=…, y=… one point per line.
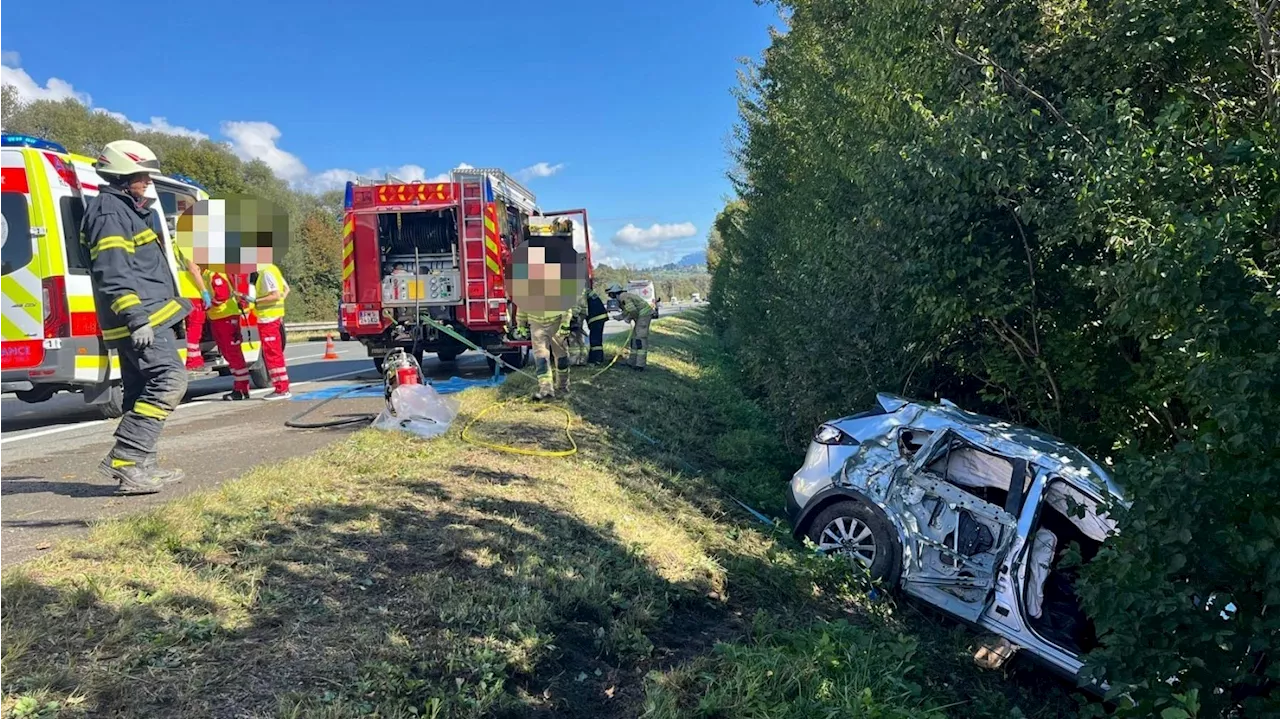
x=967, y=513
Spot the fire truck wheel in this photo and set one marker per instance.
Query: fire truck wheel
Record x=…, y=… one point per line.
x=377, y=365
x=114, y=406
x=259, y=378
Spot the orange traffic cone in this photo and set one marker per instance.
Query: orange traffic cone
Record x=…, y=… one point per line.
x=330, y=352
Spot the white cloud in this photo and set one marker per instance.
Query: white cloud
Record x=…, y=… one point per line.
x=541, y=169
x=256, y=140
x=29, y=90
x=650, y=238
x=157, y=124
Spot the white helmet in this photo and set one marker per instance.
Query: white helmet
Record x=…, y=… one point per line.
x=127, y=157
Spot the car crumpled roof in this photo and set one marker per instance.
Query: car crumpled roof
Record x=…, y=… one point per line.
x=999, y=436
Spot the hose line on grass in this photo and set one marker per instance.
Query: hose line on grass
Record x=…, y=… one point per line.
x=343, y=421
x=568, y=420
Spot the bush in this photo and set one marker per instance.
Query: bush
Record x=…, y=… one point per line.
x=1066, y=216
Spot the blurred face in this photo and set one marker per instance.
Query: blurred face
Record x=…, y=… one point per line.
x=138, y=185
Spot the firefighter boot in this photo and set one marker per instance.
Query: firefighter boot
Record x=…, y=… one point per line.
x=166, y=476
x=133, y=478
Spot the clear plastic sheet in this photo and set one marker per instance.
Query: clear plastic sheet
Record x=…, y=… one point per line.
x=418, y=409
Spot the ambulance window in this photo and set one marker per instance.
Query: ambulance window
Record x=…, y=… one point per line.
x=16, y=252
x=72, y=211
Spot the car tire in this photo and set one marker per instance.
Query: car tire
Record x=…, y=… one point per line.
x=871, y=541
x=114, y=406
x=259, y=378
x=36, y=395
x=447, y=356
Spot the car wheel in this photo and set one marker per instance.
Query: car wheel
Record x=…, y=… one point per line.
x=447, y=356
x=856, y=532
x=114, y=406
x=259, y=377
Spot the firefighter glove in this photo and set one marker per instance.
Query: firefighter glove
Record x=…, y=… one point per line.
x=143, y=337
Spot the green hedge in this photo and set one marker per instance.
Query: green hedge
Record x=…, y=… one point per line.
x=1066, y=215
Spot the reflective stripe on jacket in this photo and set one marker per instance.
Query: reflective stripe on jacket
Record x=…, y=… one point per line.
x=132, y=280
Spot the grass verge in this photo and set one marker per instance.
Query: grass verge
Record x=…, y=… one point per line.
x=392, y=577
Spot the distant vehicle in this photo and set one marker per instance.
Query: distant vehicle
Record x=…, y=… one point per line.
x=645, y=289
x=696, y=298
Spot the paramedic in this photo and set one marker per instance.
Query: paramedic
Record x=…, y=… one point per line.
x=137, y=304
x=191, y=285
x=634, y=309
x=549, y=356
x=270, y=291
x=224, y=318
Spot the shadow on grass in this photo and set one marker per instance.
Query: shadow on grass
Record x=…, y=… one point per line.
x=477, y=604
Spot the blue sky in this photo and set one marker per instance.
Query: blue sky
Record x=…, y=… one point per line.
x=622, y=107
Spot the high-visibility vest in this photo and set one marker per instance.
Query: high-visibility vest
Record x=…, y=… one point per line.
x=186, y=281
x=269, y=310
x=218, y=284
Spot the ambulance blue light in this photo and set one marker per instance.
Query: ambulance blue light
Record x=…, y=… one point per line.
x=189, y=181
x=349, y=199
x=10, y=140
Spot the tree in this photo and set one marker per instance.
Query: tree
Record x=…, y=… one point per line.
x=1067, y=217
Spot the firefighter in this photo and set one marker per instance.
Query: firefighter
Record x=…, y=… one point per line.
x=596, y=316
x=550, y=359
x=137, y=304
x=224, y=318
x=634, y=309
x=270, y=291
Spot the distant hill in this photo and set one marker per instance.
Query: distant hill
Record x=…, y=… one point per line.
x=693, y=260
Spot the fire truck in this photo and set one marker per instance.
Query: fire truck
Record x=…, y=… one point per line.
x=414, y=250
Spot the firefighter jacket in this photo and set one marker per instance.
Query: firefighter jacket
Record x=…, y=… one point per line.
x=594, y=307
x=633, y=305
x=523, y=317
x=133, y=283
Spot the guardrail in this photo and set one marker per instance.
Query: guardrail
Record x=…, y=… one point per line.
x=310, y=326
x=333, y=324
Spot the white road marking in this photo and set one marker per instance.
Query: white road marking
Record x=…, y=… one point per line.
x=54, y=430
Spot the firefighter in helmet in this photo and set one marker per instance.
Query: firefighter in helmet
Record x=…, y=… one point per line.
x=591, y=308
x=138, y=305
x=636, y=310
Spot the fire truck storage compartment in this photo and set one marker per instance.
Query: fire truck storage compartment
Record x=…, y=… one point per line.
x=420, y=258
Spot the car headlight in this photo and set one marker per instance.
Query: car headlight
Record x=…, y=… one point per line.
x=827, y=434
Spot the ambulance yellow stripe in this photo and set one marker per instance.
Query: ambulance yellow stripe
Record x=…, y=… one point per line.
x=51, y=251
x=10, y=331
x=80, y=303
x=19, y=295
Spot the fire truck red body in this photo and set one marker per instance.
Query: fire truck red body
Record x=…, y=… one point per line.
x=437, y=250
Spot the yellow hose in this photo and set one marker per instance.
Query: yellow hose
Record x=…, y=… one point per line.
x=568, y=421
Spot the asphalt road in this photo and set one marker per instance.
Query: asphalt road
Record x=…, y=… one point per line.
x=49, y=452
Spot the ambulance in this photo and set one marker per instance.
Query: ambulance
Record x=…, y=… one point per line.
x=49, y=339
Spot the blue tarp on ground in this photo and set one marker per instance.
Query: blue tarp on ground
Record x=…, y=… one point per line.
x=450, y=385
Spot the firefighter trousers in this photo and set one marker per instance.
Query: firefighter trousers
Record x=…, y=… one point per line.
x=576, y=347
x=595, y=352
x=550, y=359
x=195, y=330
x=154, y=383
x=226, y=332
x=272, y=334
x=640, y=341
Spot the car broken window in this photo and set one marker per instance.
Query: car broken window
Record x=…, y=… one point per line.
x=1068, y=520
